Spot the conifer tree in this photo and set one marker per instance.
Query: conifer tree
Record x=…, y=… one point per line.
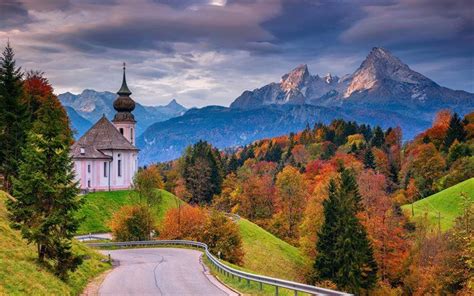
x=46, y=193
x=345, y=254
x=378, y=138
x=13, y=116
x=455, y=132
x=369, y=159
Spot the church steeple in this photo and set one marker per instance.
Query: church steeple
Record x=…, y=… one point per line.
x=124, y=105
x=124, y=91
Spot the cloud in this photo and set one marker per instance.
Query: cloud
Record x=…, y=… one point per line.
x=208, y=52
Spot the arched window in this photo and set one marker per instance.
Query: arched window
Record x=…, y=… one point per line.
x=119, y=166
x=121, y=130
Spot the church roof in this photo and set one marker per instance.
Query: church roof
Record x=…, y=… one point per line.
x=102, y=136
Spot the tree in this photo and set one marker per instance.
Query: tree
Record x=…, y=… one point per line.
x=47, y=196
x=291, y=200
x=202, y=172
x=378, y=137
x=455, y=132
x=13, y=117
x=184, y=222
x=345, y=254
x=222, y=236
x=132, y=223
x=146, y=183
x=369, y=159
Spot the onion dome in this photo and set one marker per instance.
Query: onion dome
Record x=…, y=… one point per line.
x=124, y=105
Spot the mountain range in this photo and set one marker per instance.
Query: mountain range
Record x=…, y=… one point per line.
x=87, y=107
x=382, y=91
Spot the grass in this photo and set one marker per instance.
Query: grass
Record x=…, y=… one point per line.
x=446, y=203
x=21, y=275
x=100, y=206
x=266, y=254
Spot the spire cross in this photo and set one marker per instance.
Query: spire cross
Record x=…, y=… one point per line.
x=124, y=66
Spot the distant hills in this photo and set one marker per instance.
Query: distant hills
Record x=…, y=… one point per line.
x=87, y=107
x=382, y=91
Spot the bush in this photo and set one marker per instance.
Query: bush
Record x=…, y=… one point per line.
x=222, y=235
x=132, y=223
x=214, y=229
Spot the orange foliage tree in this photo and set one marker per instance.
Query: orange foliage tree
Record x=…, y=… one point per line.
x=132, y=223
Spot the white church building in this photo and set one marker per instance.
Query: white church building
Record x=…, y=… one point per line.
x=105, y=157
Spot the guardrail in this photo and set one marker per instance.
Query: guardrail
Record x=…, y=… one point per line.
x=227, y=270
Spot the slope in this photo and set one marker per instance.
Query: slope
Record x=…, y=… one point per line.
x=100, y=206
x=447, y=204
x=20, y=275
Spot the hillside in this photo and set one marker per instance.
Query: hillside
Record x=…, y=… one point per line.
x=446, y=203
x=20, y=275
x=268, y=255
x=100, y=206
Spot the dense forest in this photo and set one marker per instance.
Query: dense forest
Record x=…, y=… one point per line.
x=336, y=191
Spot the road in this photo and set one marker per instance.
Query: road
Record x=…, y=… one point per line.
x=161, y=271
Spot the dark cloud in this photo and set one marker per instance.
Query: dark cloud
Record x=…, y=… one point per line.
x=210, y=51
x=13, y=14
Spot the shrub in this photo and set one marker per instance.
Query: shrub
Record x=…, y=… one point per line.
x=132, y=223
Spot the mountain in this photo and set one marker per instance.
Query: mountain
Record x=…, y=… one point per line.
x=79, y=124
x=91, y=104
x=382, y=91
x=227, y=127
x=382, y=82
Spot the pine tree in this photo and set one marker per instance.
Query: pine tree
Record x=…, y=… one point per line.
x=455, y=132
x=378, y=137
x=13, y=116
x=369, y=159
x=46, y=193
x=345, y=254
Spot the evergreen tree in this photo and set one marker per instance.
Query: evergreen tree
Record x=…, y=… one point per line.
x=202, y=172
x=378, y=138
x=455, y=132
x=369, y=159
x=13, y=117
x=46, y=193
x=345, y=254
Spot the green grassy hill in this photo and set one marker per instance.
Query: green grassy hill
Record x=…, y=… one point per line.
x=446, y=203
x=21, y=275
x=266, y=254
x=100, y=206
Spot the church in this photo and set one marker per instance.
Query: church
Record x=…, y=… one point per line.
x=105, y=157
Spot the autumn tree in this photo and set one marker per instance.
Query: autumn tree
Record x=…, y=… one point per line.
x=184, y=222
x=223, y=237
x=427, y=166
x=345, y=254
x=291, y=199
x=202, y=172
x=46, y=193
x=132, y=223
x=14, y=122
x=146, y=183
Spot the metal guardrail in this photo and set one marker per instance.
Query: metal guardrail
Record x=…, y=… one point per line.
x=227, y=270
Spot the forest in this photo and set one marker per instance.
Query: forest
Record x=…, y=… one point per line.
x=335, y=191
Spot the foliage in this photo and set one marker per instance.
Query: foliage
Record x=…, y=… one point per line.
x=146, y=182
x=223, y=238
x=345, y=254
x=202, y=172
x=185, y=222
x=46, y=191
x=14, y=122
x=132, y=223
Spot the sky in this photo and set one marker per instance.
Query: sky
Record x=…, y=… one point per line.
x=207, y=52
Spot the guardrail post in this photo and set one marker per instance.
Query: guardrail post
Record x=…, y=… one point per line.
x=248, y=282
x=296, y=293
x=261, y=286
x=276, y=290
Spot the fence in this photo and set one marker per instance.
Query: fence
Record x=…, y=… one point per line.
x=227, y=270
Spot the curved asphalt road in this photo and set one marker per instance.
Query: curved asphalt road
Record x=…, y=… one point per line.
x=162, y=271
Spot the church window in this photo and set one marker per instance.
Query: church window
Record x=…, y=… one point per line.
x=119, y=169
x=105, y=169
x=83, y=151
x=88, y=168
x=89, y=183
x=131, y=135
x=121, y=131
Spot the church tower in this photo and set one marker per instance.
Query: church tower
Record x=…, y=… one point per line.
x=124, y=120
